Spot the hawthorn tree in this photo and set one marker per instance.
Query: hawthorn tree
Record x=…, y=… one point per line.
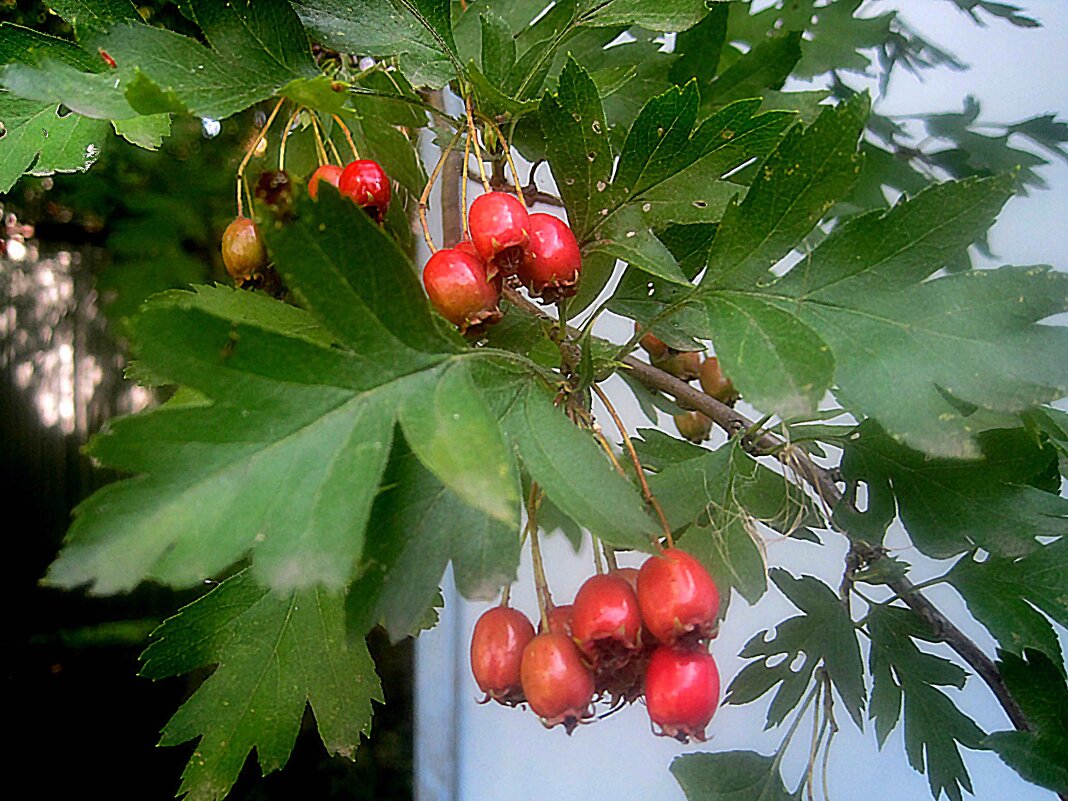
x=327, y=443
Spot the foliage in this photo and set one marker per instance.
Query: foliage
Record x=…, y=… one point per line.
x=330, y=450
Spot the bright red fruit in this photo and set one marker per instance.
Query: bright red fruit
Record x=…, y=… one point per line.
x=497, y=645
x=468, y=247
x=560, y=619
x=365, y=183
x=330, y=173
x=681, y=692
x=606, y=622
x=500, y=231
x=553, y=262
x=243, y=252
x=678, y=598
x=556, y=681
x=458, y=287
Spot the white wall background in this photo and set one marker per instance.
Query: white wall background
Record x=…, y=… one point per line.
x=468, y=752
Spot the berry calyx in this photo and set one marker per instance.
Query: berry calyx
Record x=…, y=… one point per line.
x=500, y=231
x=694, y=426
x=497, y=645
x=243, y=252
x=606, y=622
x=715, y=384
x=366, y=184
x=328, y=173
x=556, y=681
x=553, y=261
x=678, y=598
x=681, y=692
x=459, y=289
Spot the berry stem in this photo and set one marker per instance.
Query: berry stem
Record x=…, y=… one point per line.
x=473, y=133
x=541, y=584
x=426, y=193
x=598, y=565
x=348, y=136
x=638, y=469
x=250, y=151
x=285, y=137
x=610, y=556
x=506, y=595
x=508, y=156
x=463, y=189
x=320, y=149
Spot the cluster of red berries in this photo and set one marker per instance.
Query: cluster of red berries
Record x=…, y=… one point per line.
x=628, y=634
x=538, y=251
x=688, y=365
x=362, y=181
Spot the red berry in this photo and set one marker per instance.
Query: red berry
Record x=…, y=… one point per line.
x=457, y=285
x=243, y=252
x=678, y=598
x=685, y=365
x=630, y=574
x=714, y=383
x=367, y=185
x=560, y=619
x=500, y=231
x=468, y=247
x=497, y=645
x=330, y=173
x=553, y=261
x=681, y=692
x=606, y=622
x=556, y=681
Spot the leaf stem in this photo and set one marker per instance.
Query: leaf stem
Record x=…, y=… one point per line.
x=646, y=492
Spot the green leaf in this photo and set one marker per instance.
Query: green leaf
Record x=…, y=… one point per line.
x=285, y=461
x=274, y=655
x=951, y=506
x=766, y=66
x=89, y=18
x=724, y=493
x=146, y=131
x=576, y=137
x=448, y=425
x=824, y=633
x=416, y=30
x=498, y=47
x=627, y=236
x=1002, y=594
x=19, y=45
x=935, y=728
x=40, y=141
x=668, y=15
x=419, y=527
x=95, y=95
x=575, y=475
x=1038, y=685
x=731, y=776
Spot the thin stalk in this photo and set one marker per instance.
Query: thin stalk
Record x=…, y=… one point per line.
x=333, y=149
x=793, y=728
x=610, y=557
x=250, y=151
x=506, y=594
x=541, y=584
x=473, y=132
x=463, y=188
x=646, y=492
x=426, y=193
x=598, y=565
x=320, y=148
x=508, y=156
x=285, y=138
x=600, y=438
x=348, y=135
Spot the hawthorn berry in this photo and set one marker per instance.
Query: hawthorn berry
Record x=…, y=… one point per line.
x=694, y=426
x=560, y=619
x=551, y=267
x=606, y=622
x=276, y=190
x=459, y=289
x=556, y=681
x=678, y=598
x=684, y=365
x=654, y=346
x=681, y=692
x=366, y=184
x=329, y=173
x=497, y=645
x=500, y=231
x=243, y=252
x=715, y=384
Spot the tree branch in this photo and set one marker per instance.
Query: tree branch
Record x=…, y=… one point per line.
x=822, y=481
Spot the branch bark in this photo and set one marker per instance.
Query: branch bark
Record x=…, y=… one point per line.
x=823, y=484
